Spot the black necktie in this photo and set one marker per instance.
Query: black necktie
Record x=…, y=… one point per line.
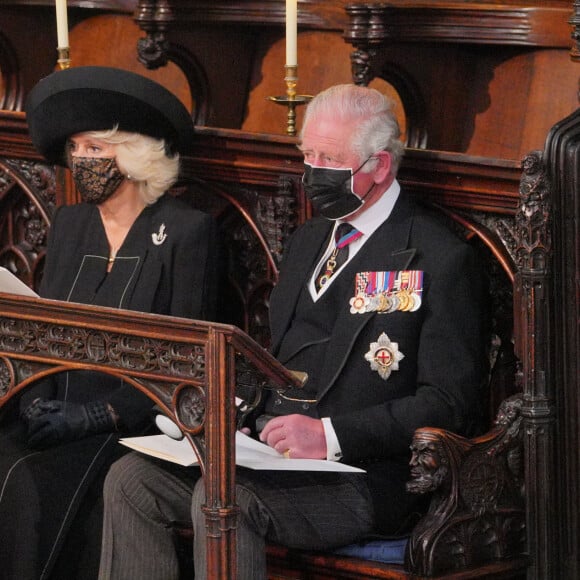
x=344, y=235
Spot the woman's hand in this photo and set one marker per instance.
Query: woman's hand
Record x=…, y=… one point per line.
x=52, y=422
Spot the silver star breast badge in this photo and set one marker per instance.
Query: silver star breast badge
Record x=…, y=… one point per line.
x=384, y=356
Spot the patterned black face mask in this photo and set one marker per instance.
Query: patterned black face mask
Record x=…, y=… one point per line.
x=96, y=178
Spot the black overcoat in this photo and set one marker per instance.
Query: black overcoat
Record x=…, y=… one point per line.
x=167, y=264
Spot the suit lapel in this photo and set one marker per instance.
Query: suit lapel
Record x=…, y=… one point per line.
x=297, y=272
x=386, y=250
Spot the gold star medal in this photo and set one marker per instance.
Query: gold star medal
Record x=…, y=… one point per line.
x=384, y=356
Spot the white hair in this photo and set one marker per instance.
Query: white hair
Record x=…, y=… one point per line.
x=376, y=129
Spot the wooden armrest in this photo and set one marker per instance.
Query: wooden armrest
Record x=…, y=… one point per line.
x=476, y=515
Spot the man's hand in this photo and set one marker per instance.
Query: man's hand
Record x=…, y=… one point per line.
x=297, y=436
x=52, y=422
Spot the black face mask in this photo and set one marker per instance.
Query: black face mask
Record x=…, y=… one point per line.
x=330, y=190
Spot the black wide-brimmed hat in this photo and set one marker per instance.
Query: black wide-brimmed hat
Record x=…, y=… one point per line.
x=95, y=98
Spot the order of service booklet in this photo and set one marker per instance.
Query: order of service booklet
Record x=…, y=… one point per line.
x=249, y=453
x=10, y=284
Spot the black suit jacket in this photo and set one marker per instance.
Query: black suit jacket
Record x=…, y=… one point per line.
x=439, y=380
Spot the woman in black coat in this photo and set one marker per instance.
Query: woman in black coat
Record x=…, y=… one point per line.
x=127, y=245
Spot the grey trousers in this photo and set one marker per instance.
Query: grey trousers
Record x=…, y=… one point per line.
x=144, y=498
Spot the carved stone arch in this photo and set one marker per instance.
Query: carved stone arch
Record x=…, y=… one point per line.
x=11, y=89
x=413, y=103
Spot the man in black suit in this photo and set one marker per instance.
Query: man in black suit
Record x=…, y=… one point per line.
x=385, y=316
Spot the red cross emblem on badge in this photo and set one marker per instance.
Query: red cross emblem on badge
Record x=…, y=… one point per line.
x=384, y=356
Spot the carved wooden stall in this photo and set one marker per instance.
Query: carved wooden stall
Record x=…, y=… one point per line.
x=475, y=79
x=253, y=189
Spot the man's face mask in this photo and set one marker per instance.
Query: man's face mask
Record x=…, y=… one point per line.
x=331, y=190
x=96, y=178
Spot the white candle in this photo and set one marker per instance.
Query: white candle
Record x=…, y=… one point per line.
x=291, y=32
x=61, y=24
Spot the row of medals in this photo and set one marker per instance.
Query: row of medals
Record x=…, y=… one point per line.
x=406, y=300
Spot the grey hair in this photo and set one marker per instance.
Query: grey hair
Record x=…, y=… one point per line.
x=142, y=159
x=377, y=128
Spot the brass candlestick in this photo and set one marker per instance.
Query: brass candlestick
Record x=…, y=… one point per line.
x=291, y=99
x=63, y=57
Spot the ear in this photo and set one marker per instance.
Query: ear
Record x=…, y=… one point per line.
x=383, y=168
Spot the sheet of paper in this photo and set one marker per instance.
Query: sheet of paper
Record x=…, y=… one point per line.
x=249, y=453
x=10, y=284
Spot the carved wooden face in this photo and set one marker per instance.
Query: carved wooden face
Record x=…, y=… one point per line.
x=428, y=466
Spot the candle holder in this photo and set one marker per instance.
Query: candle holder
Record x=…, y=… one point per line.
x=63, y=57
x=291, y=99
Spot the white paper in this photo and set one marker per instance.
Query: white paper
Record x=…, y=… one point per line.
x=10, y=284
x=249, y=453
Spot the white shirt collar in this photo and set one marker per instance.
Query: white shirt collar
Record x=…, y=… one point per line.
x=368, y=221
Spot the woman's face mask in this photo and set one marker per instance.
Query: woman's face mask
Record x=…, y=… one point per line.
x=331, y=190
x=96, y=178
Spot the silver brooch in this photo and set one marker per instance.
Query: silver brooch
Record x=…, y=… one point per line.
x=384, y=356
x=159, y=237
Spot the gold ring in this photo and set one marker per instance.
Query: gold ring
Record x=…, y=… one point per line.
x=287, y=454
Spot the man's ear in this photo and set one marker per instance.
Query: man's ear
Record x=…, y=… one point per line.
x=383, y=167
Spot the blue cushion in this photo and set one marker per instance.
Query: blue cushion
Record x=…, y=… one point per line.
x=388, y=551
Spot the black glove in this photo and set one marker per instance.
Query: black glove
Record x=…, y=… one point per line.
x=51, y=422
x=35, y=409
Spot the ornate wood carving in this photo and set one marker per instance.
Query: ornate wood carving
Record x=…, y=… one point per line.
x=254, y=223
x=277, y=215
x=187, y=367
x=532, y=311
x=27, y=200
x=477, y=510
x=237, y=178
x=153, y=17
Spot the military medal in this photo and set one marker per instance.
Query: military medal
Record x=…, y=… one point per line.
x=359, y=304
x=384, y=356
x=385, y=303
x=330, y=266
x=416, y=289
x=387, y=292
x=403, y=297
